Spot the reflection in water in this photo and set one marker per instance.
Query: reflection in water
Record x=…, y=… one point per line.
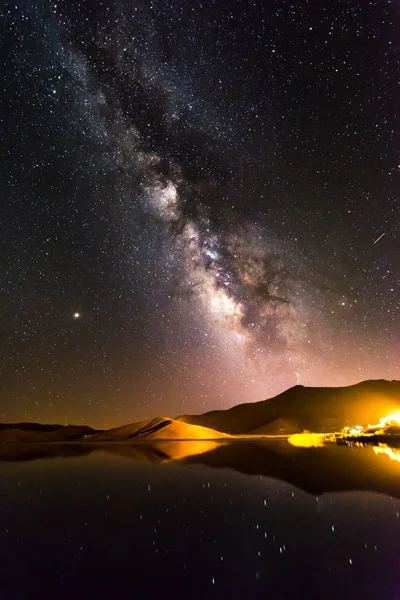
x=392, y=453
x=156, y=452
x=180, y=450
x=307, y=440
x=198, y=520
x=304, y=462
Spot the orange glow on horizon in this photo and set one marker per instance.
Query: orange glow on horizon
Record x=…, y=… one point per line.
x=392, y=419
x=389, y=420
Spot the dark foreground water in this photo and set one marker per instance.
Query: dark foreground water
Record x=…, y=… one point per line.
x=217, y=521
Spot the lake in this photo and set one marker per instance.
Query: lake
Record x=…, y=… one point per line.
x=198, y=520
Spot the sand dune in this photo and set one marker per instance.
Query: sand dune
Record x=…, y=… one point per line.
x=160, y=428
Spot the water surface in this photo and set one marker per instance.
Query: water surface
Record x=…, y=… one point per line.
x=198, y=520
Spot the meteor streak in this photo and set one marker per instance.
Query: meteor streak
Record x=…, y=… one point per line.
x=379, y=238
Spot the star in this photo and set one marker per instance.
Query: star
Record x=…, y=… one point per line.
x=208, y=205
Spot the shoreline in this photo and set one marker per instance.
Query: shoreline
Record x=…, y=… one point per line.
x=149, y=441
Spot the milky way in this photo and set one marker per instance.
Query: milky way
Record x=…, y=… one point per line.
x=204, y=187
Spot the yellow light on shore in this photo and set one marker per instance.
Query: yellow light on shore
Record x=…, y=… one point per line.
x=355, y=430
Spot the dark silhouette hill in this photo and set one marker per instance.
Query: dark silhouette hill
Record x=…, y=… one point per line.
x=316, y=409
x=35, y=432
x=30, y=426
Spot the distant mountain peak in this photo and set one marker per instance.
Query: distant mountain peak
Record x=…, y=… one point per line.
x=319, y=409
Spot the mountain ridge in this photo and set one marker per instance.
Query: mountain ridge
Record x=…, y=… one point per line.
x=341, y=406
x=320, y=409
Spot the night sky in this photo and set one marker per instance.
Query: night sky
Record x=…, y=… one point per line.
x=198, y=203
